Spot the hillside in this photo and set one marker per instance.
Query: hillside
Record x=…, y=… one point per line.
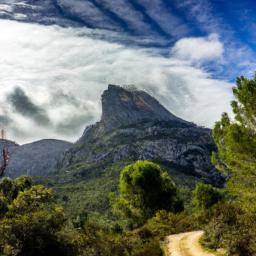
x=134, y=126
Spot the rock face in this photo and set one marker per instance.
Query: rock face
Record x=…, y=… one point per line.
x=34, y=159
x=122, y=107
x=136, y=126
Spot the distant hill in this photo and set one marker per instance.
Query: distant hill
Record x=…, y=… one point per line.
x=34, y=159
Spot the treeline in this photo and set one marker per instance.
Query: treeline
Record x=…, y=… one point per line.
x=146, y=208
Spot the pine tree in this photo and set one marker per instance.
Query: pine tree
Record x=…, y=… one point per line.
x=236, y=142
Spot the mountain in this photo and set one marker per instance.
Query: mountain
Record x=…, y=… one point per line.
x=134, y=126
x=34, y=159
x=123, y=107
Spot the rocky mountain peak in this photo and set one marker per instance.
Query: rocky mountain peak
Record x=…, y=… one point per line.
x=126, y=106
x=135, y=126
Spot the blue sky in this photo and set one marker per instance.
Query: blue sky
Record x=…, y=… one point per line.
x=187, y=52
x=154, y=23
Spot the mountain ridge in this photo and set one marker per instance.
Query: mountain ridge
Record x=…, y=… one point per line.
x=135, y=126
x=37, y=158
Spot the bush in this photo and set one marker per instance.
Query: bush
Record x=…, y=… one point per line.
x=165, y=223
x=205, y=196
x=141, y=242
x=233, y=229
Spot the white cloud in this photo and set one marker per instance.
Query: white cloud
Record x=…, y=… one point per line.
x=88, y=12
x=199, y=49
x=5, y=8
x=165, y=19
x=124, y=10
x=202, y=13
x=64, y=72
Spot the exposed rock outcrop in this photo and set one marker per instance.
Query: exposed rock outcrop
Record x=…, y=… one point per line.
x=122, y=107
x=136, y=126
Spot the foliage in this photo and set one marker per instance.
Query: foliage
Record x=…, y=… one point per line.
x=232, y=228
x=205, y=196
x=236, y=142
x=166, y=223
x=30, y=224
x=139, y=242
x=144, y=189
x=87, y=186
x=233, y=224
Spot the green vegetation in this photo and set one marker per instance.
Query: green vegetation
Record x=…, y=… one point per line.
x=87, y=186
x=205, y=196
x=232, y=228
x=232, y=223
x=145, y=189
x=128, y=208
x=30, y=223
x=236, y=142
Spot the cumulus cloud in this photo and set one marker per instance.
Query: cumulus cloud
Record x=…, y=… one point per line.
x=199, y=49
x=63, y=72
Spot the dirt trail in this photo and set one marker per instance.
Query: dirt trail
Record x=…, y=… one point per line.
x=186, y=244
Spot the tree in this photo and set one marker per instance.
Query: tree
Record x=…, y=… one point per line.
x=236, y=142
x=144, y=189
x=30, y=223
x=205, y=196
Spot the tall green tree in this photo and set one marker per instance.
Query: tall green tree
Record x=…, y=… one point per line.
x=144, y=189
x=236, y=141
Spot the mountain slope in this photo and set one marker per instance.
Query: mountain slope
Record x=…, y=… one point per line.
x=136, y=126
x=133, y=126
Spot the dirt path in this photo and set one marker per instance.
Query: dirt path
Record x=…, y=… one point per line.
x=186, y=244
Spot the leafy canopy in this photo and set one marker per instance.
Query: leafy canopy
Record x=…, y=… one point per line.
x=144, y=189
x=30, y=223
x=236, y=142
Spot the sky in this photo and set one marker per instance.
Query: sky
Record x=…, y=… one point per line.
x=58, y=56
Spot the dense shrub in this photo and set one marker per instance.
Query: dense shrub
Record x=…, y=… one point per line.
x=166, y=223
x=236, y=142
x=233, y=225
x=233, y=229
x=30, y=224
x=205, y=196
